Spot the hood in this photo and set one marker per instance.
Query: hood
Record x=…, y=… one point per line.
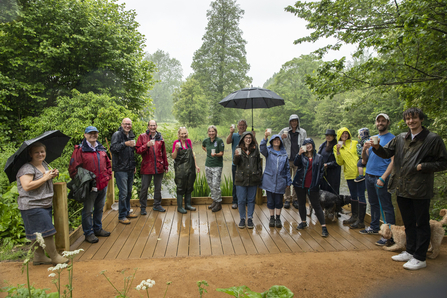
x=241, y=141
x=293, y=117
x=281, y=146
x=86, y=148
x=158, y=136
x=131, y=135
x=310, y=141
x=340, y=132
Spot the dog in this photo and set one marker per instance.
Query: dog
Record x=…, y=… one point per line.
x=331, y=204
x=399, y=237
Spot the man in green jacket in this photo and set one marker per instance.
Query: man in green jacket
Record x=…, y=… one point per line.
x=417, y=155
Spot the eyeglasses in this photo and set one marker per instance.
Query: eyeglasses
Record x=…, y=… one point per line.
x=127, y=124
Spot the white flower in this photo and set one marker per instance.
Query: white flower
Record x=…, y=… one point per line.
x=52, y=275
x=26, y=261
x=40, y=240
x=153, y=282
x=143, y=288
x=138, y=287
x=149, y=285
x=58, y=267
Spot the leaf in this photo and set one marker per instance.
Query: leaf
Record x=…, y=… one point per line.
x=277, y=292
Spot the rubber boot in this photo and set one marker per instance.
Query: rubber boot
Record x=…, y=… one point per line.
x=354, y=213
x=213, y=204
x=180, y=204
x=39, y=256
x=360, y=222
x=217, y=207
x=56, y=258
x=188, y=203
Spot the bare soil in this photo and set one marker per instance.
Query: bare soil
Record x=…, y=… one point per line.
x=314, y=274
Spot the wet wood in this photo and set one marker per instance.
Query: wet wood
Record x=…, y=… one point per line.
x=183, y=243
x=204, y=232
x=247, y=241
x=233, y=232
x=194, y=238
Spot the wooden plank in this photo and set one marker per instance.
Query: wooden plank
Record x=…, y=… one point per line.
x=183, y=243
x=283, y=233
x=160, y=249
x=115, y=237
x=336, y=242
x=194, y=238
x=225, y=238
x=152, y=240
x=367, y=240
x=233, y=232
x=341, y=237
x=204, y=233
x=141, y=242
x=266, y=233
x=60, y=207
x=247, y=241
x=133, y=237
x=171, y=249
x=216, y=243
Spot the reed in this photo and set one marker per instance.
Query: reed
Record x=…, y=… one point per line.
x=201, y=188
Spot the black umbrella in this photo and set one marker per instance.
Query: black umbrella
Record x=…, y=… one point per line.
x=55, y=142
x=252, y=98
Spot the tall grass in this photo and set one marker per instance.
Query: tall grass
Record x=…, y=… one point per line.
x=201, y=188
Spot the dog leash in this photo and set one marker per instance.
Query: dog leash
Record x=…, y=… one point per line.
x=331, y=187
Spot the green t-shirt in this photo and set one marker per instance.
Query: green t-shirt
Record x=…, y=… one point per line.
x=218, y=144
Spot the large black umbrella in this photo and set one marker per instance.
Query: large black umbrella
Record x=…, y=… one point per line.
x=55, y=142
x=252, y=98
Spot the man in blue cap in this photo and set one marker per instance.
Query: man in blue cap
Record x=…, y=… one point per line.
x=92, y=156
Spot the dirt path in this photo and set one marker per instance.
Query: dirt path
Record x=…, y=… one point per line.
x=319, y=274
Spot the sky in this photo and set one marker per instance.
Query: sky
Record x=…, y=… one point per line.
x=177, y=27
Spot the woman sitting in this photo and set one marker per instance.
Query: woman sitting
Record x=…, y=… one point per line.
x=310, y=168
x=248, y=176
x=35, y=186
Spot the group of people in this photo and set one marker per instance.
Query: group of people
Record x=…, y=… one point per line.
x=294, y=170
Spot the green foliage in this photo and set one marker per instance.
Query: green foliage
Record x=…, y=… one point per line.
x=11, y=225
x=190, y=105
x=202, y=284
x=168, y=76
x=220, y=64
x=244, y=291
x=201, y=188
x=10, y=253
x=127, y=283
x=226, y=186
x=20, y=291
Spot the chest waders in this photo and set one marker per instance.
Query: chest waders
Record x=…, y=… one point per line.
x=185, y=175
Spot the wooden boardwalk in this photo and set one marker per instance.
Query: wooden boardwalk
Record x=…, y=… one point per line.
x=204, y=233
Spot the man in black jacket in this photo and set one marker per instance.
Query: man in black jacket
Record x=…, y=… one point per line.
x=417, y=155
x=123, y=164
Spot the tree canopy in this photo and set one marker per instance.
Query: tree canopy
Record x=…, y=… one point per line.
x=190, y=107
x=220, y=64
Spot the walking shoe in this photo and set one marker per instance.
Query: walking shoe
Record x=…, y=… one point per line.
x=91, y=238
x=125, y=221
x=212, y=205
x=143, y=212
x=159, y=209
x=278, y=223
x=402, y=257
x=415, y=264
x=242, y=223
x=295, y=204
x=217, y=207
x=369, y=231
x=132, y=215
x=234, y=206
x=102, y=233
x=272, y=222
x=301, y=226
x=359, y=178
x=324, y=232
x=287, y=204
x=250, y=224
x=381, y=242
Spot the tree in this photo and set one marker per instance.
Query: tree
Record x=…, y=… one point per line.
x=409, y=38
x=220, y=64
x=55, y=46
x=190, y=106
x=169, y=77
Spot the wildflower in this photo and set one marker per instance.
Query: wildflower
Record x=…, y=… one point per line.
x=40, y=240
x=71, y=253
x=26, y=261
x=143, y=288
x=52, y=275
x=138, y=287
x=58, y=267
x=153, y=282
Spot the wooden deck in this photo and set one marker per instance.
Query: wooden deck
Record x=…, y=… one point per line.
x=204, y=233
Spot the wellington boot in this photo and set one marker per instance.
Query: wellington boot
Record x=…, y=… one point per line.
x=217, y=207
x=360, y=222
x=213, y=204
x=39, y=256
x=56, y=258
x=188, y=203
x=354, y=214
x=180, y=204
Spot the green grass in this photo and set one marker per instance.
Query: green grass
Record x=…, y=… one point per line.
x=9, y=252
x=201, y=188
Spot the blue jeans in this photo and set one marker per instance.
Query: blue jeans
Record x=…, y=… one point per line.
x=94, y=204
x=385, y=201
x=233, y=172
x=357, y=190
x=246, y=195
x=124, y=181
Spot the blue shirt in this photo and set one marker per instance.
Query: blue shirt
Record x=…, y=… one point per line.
x=235, y=138
x=376, y=166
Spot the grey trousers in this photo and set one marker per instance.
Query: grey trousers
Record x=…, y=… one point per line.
x=213, y=177
x=145, y=183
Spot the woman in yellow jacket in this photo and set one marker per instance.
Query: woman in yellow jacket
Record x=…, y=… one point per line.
x=346, y=155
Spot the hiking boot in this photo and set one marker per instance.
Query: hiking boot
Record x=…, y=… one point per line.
x=102, y=233
x=301, y=226
x=272, y=222
x=250, y=224
x=217, y=207
x=402, y=257
x=415, y=264
x=359, y=178
x=132, y=215
x=381, y=242
x=213, y=204
x=143, y=212
x=242, y=223
x=354, y=213
x=278, y=223
x=324, y=232
x=287, y=204
x=296, y=205
x=124, y=221
x=91, y=238
x=159, y=209
x=234, y=206
x=369, y=231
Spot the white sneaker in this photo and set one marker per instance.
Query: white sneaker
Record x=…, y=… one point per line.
x=402, y=257
x=415, y=264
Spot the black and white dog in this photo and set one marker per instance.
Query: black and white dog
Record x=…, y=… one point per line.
x=331, y=204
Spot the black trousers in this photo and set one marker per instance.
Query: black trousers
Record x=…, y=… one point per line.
x=314, y=200
x=416, y=217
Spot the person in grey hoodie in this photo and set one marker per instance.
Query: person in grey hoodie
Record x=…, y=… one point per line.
x=292, y=138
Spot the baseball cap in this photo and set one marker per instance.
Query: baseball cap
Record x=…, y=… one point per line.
x=384, y=116
x=90, y=129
